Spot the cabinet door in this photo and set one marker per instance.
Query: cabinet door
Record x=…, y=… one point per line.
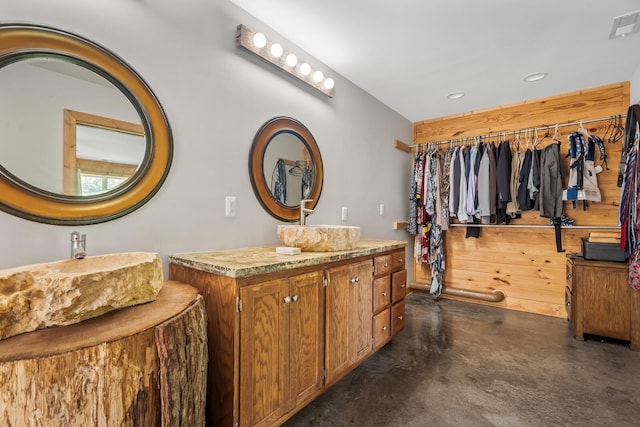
x=264, y=334
x=337, y=321
x=360, y=298
x=605, y=302
x=307, y=335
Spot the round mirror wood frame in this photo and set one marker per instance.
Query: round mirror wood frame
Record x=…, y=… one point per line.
x=263, y=137
x=20, y=41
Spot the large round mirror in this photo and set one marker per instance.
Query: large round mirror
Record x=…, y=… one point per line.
x=83, y=139
x=285, y=167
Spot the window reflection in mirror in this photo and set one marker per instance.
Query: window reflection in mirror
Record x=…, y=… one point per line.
x=288, y=169
x=36, y=91
x=100, y=153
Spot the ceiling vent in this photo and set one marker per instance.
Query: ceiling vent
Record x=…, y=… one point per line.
x=625, y=25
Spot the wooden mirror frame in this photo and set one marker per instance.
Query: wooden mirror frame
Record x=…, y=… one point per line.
x=265, y=134
x=22, y=41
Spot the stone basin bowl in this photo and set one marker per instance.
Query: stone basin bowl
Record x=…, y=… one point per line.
x=319, y=238
x=70, y=291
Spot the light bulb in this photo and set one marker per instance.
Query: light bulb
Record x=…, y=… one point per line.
x=318, y=76
x=305, y=69
x=259, y=40
x=329, y=83
x=276, y=50
x=292, y=60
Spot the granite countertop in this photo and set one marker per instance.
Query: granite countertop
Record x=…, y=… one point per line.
x=247, y=262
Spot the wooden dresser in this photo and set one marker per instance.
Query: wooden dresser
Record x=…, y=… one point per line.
x=284, y=328
x=600, y=302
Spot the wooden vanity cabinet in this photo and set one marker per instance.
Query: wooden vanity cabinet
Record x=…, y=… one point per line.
x=599, y=300
x=281, y=334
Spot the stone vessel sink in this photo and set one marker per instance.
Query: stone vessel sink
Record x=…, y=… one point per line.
x=69, y=291
x=319, y=238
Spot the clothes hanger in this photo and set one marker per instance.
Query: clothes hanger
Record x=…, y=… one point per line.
x=583, y=131
x=545, y=136
x=556, y=135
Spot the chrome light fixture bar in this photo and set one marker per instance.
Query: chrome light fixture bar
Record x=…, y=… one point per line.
x=274, y=53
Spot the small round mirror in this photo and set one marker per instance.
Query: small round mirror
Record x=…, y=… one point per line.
x=285, y=167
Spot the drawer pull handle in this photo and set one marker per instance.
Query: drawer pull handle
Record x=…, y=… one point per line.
x=354, y=280
x=287, y=299
x=294, y=298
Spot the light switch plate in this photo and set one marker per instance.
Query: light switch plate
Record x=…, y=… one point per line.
x=230, y=206
x=345, y=214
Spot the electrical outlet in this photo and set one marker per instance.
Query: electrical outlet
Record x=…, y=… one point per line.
x=345, y=214
x=230, y=206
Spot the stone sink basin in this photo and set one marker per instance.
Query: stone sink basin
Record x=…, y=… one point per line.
x=70, y=291
x=319, y=238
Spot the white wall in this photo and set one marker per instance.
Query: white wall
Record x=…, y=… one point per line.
x=635, y=87
x=216, y=97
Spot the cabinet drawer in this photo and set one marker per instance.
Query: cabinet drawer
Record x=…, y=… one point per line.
x=381, y=328
x=382, y=264
x=397, y=260
x=568, y=303
x=398, y=285
x=570, y=275
x=381, y=293
x=397, y=317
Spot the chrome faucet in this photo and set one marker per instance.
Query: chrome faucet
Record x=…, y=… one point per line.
x=304, y=212
x=78, y=245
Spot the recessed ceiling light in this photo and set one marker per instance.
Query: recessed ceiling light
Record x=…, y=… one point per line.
x=455, y=95
x=533, y=77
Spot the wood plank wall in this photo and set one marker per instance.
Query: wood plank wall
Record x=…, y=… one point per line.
x=523, y=262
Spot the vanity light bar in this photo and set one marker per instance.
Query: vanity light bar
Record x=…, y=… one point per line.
x=258, y=44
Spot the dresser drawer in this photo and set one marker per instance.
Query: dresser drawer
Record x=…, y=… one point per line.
x=381, y=293
x=398, y=285
x=397, y=317
x=568, y=303
x=381, y=328
x=382, y=264
x=570, y=275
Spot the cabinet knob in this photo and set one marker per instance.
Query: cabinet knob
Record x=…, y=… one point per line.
x=568, y=276
x=294, y=298
x=287, y=299
x=401, y=260
x=384, y=294
x=400, y=317
x=386, y=264
x=384, y=328
x=354, y=280
x=402, y=286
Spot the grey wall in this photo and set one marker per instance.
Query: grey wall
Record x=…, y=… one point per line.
x=216, y=97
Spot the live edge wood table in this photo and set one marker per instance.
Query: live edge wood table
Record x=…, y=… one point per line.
x=600, y=302
x=138, y=366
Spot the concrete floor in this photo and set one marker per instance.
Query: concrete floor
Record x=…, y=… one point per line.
x=461, y=364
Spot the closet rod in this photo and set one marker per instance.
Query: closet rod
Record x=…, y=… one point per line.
x=599, y=227
x=513, y=132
